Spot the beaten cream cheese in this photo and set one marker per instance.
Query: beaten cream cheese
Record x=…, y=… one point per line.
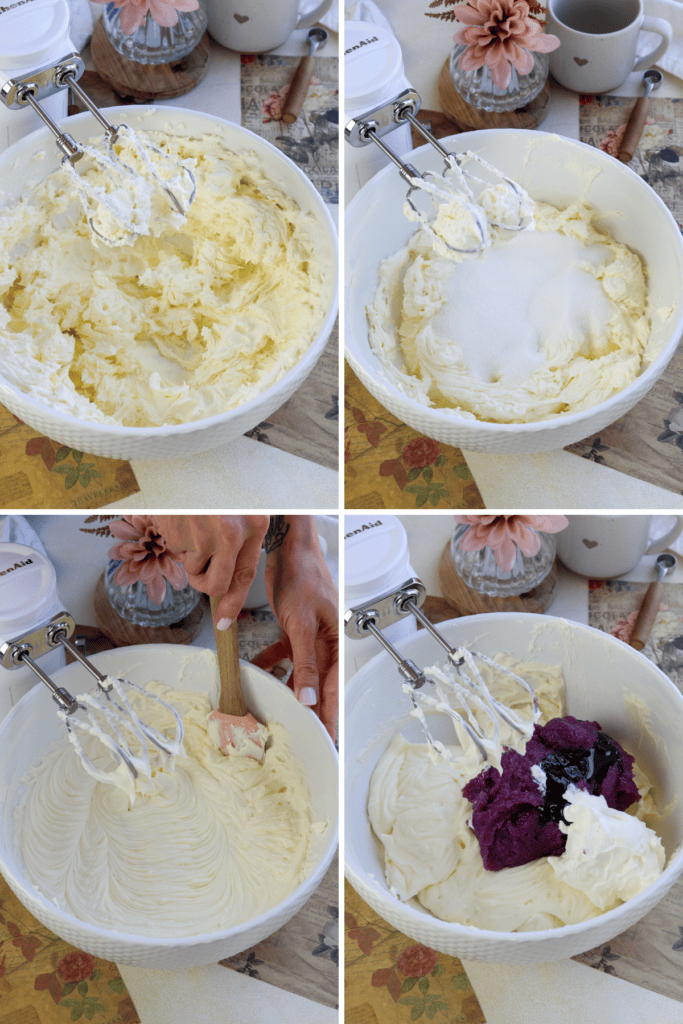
x=192, y=319
x=417, y=811
x=543, y=321
x=216, y=842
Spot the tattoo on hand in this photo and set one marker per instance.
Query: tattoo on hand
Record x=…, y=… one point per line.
x=277, y=531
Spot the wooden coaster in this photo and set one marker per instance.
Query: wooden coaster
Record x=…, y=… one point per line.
x=469, y=118
x=148, y=81
x=125, y=633
x=470, y=602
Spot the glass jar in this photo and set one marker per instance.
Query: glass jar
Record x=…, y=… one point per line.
x=477, y=87
x=133, y=603
x=151, y=43
x=481, y=572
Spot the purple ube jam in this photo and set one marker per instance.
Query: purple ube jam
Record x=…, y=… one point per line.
x=513, y=820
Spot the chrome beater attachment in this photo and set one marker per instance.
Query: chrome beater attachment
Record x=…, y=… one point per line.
x=108, y=708
x=453, y=184
x=16, y=93
x=470, y=693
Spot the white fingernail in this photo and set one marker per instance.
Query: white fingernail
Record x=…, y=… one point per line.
x=224, y=624
x=308, y=696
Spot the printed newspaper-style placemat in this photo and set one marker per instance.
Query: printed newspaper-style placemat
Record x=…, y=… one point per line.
x=650, y=953
x=308, y=424
x=647, y=442
x=387, y=464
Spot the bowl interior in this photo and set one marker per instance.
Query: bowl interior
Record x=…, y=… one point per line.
x=605, y=680
x=32, y=726
x=26, y=163
x=553, y=169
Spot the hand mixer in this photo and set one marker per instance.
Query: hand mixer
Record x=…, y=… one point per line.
x=16, y=93
x=472, y=695
x=108, y=708
x=454, y=183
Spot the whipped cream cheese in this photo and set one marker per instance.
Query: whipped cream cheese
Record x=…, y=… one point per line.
x=419, y=814
x=527, y=325
x=194, y=318
x=214, y=842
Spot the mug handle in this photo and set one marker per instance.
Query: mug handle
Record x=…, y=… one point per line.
x=661, y=28
x=661, y=543
x=323, y=8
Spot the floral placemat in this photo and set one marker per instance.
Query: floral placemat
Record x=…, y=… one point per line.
x=40, y=473
x=650, y=953
x=45, y=980
x=647, y=442
x=391, y=979
x=308, y=424
x=387, y=464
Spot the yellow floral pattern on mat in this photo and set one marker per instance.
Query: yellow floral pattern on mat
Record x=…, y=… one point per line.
x=37, y=472
x=44, y=980
x=391, y=979
x=389, y=465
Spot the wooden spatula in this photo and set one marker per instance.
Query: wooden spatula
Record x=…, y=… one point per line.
x=238, y=730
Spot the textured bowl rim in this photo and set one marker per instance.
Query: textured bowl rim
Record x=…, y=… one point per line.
x=455, y=931
x=310, y=356
x=165, y=942
x=449, y=417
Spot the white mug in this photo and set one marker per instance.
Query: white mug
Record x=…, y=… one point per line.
x=602, y=547
x=598, y=42
x=255, y=26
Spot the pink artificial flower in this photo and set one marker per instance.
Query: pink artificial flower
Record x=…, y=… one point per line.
x=500, y=33
x=145, y=558
x=164, y=12
x=504, y=534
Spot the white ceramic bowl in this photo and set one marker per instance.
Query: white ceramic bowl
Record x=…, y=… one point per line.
x=19, y=169
x=555, y=170
x=33, y=724
x=601, y=673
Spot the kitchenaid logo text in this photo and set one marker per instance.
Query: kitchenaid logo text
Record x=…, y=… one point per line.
x=11, y=7
x=17, y=565
x=365, y=526
x=363, y=42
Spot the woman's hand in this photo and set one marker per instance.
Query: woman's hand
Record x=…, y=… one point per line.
x=220, y=555
x=304, y=600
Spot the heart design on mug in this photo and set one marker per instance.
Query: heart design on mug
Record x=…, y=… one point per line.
x=577, y=60
x=241, y=18
x=590, y=543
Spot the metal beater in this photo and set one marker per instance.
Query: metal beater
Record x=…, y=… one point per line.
x=456, y=180
x=18, y=92
x=472, y=695
x=108, y=708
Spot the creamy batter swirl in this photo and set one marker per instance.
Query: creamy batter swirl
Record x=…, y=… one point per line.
x=219, y=841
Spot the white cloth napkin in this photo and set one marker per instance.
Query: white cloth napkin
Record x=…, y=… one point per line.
x=81, y=22
x=17, y=530
x=329, y=20
x=671, y=11
x=366, y=10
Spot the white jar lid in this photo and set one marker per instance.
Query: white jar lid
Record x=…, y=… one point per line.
x=372, y=60
x=375, y=556
x=28, y=589
x=30, y=30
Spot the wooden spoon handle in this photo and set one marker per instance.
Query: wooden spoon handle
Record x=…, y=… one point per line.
x=231, y=701
x=634, y=129
x=298, y=89
x=646, y=615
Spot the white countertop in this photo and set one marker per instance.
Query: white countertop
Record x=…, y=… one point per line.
x=549, y=480
x=565, y=992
